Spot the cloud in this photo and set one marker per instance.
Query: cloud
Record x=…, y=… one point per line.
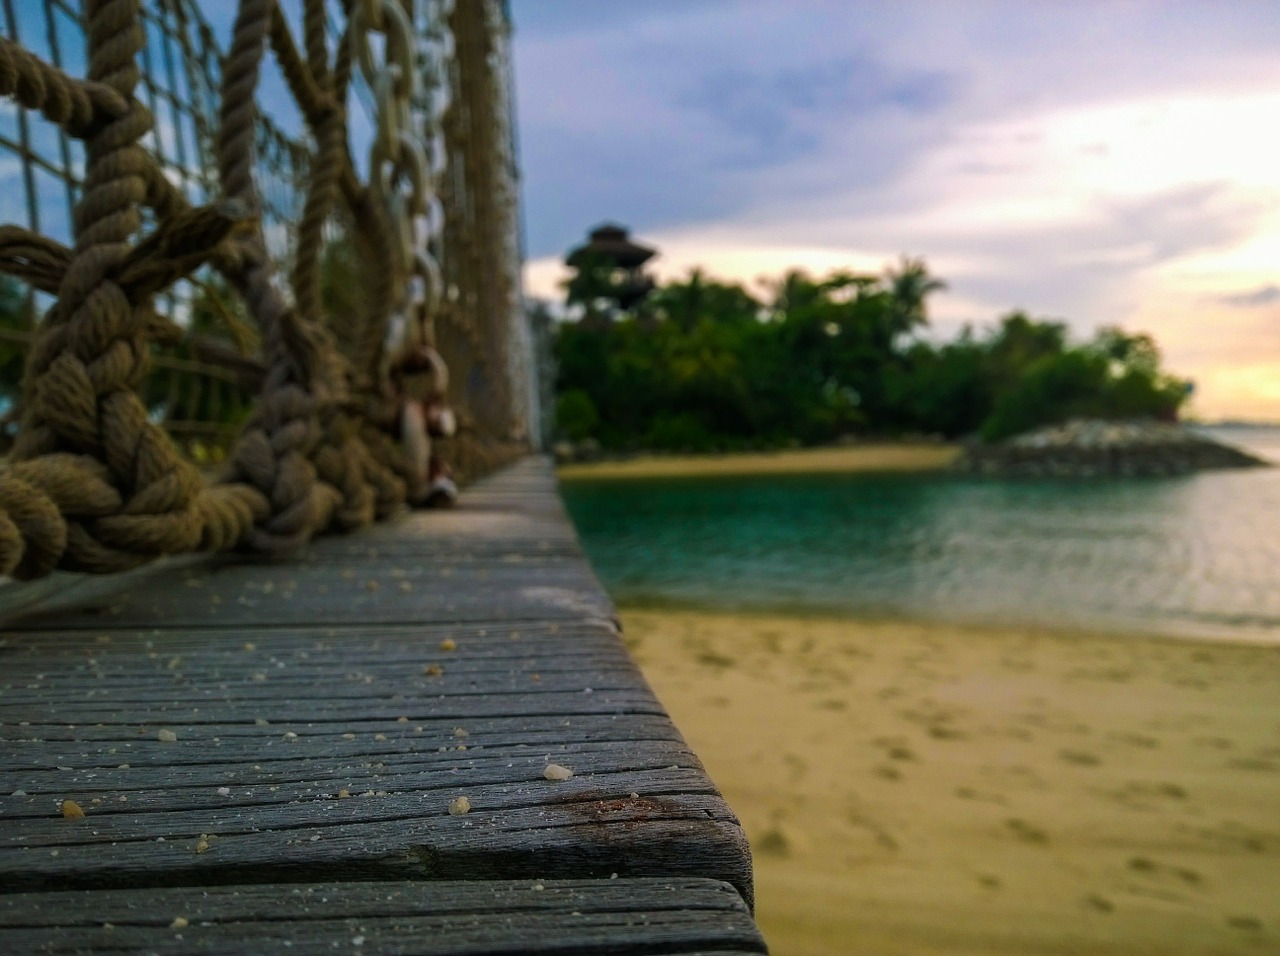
x=691, y=113
x=1252, y=298
x=1116, y=169
x=784, y=112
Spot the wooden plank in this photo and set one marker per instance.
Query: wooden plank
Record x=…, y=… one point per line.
x=323, y=714
x=514, y=517
x=368, y=591
x=629, y=917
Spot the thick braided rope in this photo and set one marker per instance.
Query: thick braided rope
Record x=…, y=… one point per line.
x=313, y=99
x=36, y=260
x=174, y=250
x=330, y=127
x=341, y=456
x=313, y=32
x=80, y=396
x=366, y=475
x=373, y=229
x=368, y=488
x=304, y=373
x=362, y=334
x=75, y=105
x=152, y=502
x=341, y=459
x=75, y=483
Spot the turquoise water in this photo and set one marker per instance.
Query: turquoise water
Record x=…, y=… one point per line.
x=1197, y=555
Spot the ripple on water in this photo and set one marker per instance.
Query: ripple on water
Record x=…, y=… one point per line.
x=1196, y=554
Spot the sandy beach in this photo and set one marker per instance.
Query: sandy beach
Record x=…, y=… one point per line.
x=871, y=457
x=925, y=788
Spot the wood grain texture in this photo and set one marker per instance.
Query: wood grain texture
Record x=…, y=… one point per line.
x=621, y=916
x=225, y=723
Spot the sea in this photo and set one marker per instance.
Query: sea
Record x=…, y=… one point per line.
x=1195, y=556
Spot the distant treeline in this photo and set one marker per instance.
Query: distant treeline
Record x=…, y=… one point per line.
x=701, y=365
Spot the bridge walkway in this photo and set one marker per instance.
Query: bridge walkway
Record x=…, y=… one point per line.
x=275, y=756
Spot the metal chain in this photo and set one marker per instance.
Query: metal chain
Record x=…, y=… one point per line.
x=406, y=159
x=436, y=51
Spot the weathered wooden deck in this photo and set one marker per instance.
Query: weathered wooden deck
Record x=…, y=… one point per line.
x=266, y=754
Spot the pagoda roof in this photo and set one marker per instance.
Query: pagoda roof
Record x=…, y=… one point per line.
x=611, y=241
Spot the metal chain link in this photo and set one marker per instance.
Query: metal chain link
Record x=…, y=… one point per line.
x=406, y=160
x=407, y=156
x=436, y=51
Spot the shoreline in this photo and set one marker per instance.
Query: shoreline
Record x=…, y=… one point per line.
x=1183, y=632
x=924, y=787
x=869, y=458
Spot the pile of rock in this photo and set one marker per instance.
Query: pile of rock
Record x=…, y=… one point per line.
x=1086, y=448
x=567, y=452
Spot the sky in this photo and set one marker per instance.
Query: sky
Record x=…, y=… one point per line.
x=1100, y=163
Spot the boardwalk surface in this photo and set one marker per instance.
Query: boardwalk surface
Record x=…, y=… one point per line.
x=270, y=751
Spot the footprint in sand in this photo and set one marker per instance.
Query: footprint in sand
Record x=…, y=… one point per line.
x=1081, y=758
x=937, y=722
x=1136, y=740
x=1027, y=832
x=1099, y=904
x=969, y=793
x=1216, y=743
x=773, y=842
x=877, y=833
x=1012, y=777
x=712, y=659
x=1234, y=836
x=1147, y=795
x=895, y=748
x=1150, y=868
x=1017, y=733
x=1250, y=924
x=1252, y=763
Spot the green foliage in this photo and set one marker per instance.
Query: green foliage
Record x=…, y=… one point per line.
x=17, y=321
x=703, y=365
x=1116, y=375
x=679, y=431
x=576, y=414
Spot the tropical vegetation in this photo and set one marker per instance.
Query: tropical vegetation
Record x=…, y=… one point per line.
x=703, y=365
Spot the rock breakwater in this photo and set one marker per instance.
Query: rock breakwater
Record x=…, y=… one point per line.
x=1086, y=448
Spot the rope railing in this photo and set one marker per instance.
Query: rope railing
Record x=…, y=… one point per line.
x=351, y=419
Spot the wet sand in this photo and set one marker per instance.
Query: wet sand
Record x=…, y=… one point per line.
x=880, y=457
x=924, y=788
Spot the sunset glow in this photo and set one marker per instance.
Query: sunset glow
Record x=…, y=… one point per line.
x=1036, y=160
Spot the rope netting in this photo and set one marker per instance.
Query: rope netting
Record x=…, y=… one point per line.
x=357, y=413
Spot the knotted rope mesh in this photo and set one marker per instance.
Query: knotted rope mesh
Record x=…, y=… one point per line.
x=93, y=482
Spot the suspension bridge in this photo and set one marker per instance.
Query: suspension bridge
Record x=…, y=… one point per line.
x=260, y=317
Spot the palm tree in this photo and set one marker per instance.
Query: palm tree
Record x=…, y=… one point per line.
x=909, y=285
